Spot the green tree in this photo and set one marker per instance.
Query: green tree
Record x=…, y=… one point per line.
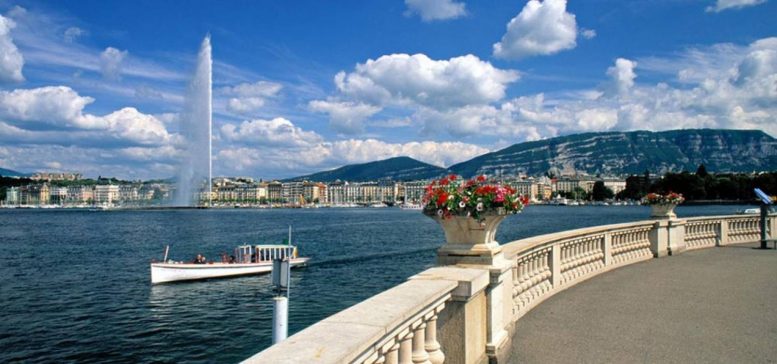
x=579, y=194
x=636, y=187
x=702, y=171
x=600, y=192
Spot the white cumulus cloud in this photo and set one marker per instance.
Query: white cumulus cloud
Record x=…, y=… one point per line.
x=430, y=10
x=51, y=104
x=345, y=117
x=278, y=148
x=283, y=162
x=404, y=79
x=129, y=124
x=60, y=107
x=110, y=63
x=541, y=28
x=721, y=5
x=596, y=119
x=246, y=98
x=11, y=60
x=622, y=74
x=721, y=86
x=276, y=132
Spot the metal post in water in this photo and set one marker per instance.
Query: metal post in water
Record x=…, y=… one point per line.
x=280, y=319
x=281, y=280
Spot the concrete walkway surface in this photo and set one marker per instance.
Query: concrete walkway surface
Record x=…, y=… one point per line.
x=716, y=305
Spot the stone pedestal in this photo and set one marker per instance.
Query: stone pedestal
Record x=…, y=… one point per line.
x=471, y=243
x=663, y=211
x=667, y=237
x=462, y=326
x=676, y=243
x=659, y=238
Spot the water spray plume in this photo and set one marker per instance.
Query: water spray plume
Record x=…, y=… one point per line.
x=196, y=127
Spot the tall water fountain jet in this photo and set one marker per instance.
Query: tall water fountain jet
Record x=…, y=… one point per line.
x=196, y=120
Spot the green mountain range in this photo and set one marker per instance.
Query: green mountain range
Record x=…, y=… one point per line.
x=633, y=152
x=397, y=169
x=11, y=173
x=611, y=153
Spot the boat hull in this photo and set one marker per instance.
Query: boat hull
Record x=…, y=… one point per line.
x=175, y=272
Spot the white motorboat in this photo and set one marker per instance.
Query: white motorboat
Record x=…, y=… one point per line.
x=411, y=206
x=248, y=259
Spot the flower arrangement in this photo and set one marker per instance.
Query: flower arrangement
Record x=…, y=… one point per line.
x=670, y=198
x=474, y=198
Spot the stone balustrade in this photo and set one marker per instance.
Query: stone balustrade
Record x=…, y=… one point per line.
x=548, y=263
x=743, y=229
x=703, y=232
x=466, y=313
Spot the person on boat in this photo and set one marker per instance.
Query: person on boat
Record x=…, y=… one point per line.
x=231, y=259
x=224, y=258
x=200, y=259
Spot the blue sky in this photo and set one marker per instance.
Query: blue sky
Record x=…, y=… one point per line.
x=300, y=86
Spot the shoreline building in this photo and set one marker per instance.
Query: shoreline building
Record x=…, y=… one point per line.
x=12, y=196
x=106, y=194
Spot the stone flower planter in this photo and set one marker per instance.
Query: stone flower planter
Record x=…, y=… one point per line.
x=469, y=241
x=663, y=211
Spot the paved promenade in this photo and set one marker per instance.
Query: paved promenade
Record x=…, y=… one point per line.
x=716, y=305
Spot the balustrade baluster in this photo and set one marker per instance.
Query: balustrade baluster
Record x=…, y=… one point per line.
x=406, y=349
x=436, y=356
x=392, y=354
x=420, y=356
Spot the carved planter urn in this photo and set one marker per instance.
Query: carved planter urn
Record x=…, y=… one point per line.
x=663, y=211
x=469, y=240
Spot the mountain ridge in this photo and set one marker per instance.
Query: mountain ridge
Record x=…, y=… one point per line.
x=633, y=152
x=615, y=153
x=11, y=173
x=396, y=168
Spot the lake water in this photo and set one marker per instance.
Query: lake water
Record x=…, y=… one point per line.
x=75, y=286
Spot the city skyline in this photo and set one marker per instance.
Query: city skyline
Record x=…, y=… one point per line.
x=91, y=87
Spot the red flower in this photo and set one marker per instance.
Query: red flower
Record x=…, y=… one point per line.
x=452, y=177
x=441, y=198
x=481, y=178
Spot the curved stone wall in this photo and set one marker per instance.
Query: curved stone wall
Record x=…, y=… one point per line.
x=466, y=313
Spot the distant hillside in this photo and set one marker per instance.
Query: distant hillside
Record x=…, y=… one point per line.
x=633, y=152
x=397, y=169
x=10, y=173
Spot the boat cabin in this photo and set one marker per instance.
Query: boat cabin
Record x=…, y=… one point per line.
x=264, y=253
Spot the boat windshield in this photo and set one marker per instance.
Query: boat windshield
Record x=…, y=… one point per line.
x=264, y=253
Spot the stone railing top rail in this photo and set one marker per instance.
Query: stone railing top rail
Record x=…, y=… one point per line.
x=345, y=336
x=515, y=247
x=725, y=217
x=511, y=249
